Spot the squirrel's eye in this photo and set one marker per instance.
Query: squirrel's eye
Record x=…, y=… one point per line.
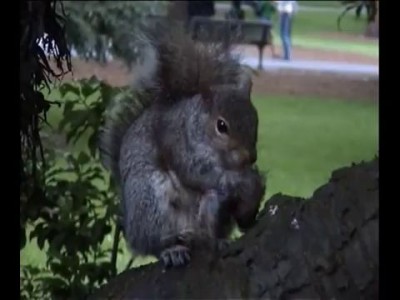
x=222, y=127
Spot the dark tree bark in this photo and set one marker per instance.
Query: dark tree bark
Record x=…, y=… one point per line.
x=372, y=30
x=325, y=247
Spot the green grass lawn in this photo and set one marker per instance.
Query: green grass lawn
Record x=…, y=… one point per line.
x=301, y=141
x=310, y=29
x=324, y=3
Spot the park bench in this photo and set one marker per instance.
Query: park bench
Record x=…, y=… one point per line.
x=255, y=32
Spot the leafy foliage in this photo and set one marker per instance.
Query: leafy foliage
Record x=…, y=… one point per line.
x=78, y=208
x=67, y=203
x=36, y=19
x=96, y=29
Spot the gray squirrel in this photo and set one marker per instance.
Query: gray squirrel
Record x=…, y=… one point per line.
x=182, y=147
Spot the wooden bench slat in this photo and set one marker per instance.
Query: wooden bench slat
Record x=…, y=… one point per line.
x=253, y=32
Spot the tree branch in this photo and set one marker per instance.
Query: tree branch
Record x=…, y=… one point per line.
x=321, y=248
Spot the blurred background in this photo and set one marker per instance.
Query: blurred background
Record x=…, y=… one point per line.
x=318, y=112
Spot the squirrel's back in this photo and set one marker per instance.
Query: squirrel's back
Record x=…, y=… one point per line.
x=172, y=67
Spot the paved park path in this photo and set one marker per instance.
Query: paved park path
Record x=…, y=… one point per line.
x=226, y=6
x=313, y=65
x=305, y=65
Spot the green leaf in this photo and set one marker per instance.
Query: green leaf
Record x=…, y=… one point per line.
x=78, y=125
x=69, y=114
x=69, y=105
x=60, y=269
x=54, y=171
x=41, y=238
x=53, y=282
x=93, y=144
x=39, y=228
x=107, y=92
x=22, y=238
x=88, y=90
x=94, y=81
x=57, y=242
x=83, y=158
x=69, y=88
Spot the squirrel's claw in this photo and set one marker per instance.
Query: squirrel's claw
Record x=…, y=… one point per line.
x=175, y=256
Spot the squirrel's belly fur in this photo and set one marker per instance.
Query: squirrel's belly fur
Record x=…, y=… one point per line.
x=157, y=208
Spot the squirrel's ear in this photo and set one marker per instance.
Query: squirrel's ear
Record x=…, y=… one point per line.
x=245, y=82
x=206, y=95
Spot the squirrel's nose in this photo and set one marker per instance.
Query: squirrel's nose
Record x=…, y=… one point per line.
x=249, y=157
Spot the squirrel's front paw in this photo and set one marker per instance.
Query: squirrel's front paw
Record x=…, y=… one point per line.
x=175, y=256
x=222, y=245
x=216, y=196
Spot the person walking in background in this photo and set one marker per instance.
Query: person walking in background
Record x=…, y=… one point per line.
x=263, y=10
x=286, y=11
x=236, y=12
x=267, y=11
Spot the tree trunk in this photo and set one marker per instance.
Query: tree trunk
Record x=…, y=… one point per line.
x=372, y=30
x=322, y=248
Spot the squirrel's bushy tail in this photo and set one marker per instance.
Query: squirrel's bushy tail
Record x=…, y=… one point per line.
x=171, y=67
x=185, y=67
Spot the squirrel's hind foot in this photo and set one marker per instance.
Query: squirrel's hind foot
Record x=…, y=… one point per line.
x=175, y=256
